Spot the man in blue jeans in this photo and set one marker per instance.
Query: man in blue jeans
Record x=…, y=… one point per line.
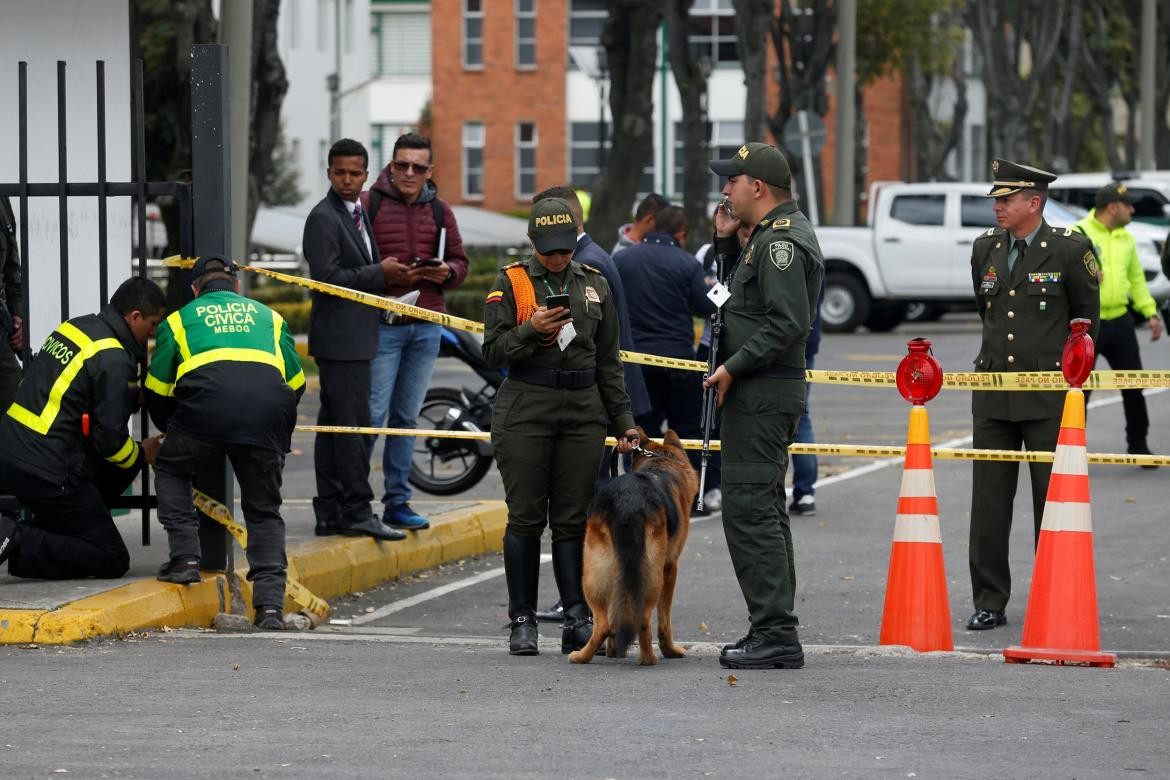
x=415, y=230
x=804, y=467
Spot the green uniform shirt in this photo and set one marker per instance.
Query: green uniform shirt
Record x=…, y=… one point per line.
x=1026, y=313
x=774, y=290
x=594, y=347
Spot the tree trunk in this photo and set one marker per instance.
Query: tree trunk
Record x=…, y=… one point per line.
x=752, y=19
x=692, y=90
x=631, y=47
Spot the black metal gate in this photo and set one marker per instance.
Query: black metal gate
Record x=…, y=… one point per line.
x=138, y=189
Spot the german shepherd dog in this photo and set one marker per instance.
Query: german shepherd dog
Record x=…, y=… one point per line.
x=636, y=532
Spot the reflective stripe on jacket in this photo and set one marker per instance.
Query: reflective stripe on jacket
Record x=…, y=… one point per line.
x=226, y=369
x=87, y=365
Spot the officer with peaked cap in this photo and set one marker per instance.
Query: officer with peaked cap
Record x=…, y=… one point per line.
x=775, y=282
x=548, y=420
x=1030, y=279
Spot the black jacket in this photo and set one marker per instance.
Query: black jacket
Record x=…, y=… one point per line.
x=86, y=365
x=341, y=329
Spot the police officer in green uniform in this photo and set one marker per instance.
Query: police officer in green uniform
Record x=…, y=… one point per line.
x=549, y=419
x=1030, y=280
x=774, y=284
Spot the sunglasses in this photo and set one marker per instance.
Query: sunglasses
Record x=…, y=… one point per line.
x=402, y=166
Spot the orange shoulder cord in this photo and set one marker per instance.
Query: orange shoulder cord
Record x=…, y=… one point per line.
x=522, y=292
x=525, y=298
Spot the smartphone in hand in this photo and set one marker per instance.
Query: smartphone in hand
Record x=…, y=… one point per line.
x=553, y=301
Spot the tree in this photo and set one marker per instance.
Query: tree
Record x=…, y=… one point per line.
x=691, y=79
x=752, y=21
x=280, y=185
x=631, y=48
x=803, y=37
x=1019, y=43
x=162, y=33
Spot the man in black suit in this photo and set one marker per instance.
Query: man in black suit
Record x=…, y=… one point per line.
x=343, y=339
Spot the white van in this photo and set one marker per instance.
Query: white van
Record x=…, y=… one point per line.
x=1150, y=191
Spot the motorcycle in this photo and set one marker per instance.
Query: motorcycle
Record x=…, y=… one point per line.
x=441, y=466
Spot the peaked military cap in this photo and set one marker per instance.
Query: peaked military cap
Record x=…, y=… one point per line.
x=760, y=161
x=1009, y=177
x=1113, y=192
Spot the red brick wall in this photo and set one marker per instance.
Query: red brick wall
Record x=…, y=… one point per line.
x=499, y=95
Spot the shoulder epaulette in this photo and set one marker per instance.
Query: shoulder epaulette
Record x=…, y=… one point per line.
x=590, y=268
x=990, y=232
x=1072, y=233
x=512, y=265
x=781, y=224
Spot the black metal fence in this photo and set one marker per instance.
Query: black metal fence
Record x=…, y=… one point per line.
x=139, y=189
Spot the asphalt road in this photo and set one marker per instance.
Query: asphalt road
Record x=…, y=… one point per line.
x=415, y=680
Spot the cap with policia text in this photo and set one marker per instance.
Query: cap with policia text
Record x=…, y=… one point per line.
x=1009, y=177
x=760, y=161
x=1113, y=192
x=552, y=226
x=212, y=264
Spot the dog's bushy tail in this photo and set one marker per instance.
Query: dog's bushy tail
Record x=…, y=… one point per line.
x=626, y=504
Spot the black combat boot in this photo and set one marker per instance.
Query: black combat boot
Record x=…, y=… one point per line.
x=522, y=570
x=568, y=564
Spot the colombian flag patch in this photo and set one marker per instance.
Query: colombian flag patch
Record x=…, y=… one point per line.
x=495, y=296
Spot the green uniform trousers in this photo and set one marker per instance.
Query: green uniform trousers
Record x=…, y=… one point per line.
x=548, y=443
x=755, y=436
x=993, y=491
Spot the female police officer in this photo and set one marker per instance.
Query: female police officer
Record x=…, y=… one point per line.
x=549, y=419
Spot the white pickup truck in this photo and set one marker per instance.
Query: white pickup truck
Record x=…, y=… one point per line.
x=917, y=249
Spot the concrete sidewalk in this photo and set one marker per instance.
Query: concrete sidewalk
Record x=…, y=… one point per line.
x=61, y=612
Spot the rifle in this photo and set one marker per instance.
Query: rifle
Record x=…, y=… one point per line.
x=709, y=398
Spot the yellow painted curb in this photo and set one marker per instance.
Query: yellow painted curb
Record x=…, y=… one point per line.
x=329, y=567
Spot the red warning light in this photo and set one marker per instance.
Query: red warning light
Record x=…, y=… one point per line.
x=1076, y=362
x=919, y=375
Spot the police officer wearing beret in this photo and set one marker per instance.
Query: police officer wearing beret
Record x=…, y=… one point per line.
x=774, y=282
x=1030, y=280
x=549, y=417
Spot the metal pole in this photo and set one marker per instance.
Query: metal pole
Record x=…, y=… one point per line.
x=236, y=33
x=138, y=119
x=1149, y=112
x=846, y=112
x=212, y=202
x=63, y=179
x=103, y=229
x=335, y=103
x=810, y=182
x=22, y=164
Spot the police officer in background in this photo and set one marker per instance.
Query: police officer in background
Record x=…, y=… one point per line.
x=65, y=453
x=548, y=420
x=774, y=284
x=1122, y=280
x=1030, y=280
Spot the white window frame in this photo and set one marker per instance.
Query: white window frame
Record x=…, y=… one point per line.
x=711, y=10
x=521, y=147
x=579, y=14
x=469, y=144
x=468, y=15
x=530, y=15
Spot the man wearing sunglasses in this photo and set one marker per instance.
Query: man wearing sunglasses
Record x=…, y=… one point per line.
x=414, y=233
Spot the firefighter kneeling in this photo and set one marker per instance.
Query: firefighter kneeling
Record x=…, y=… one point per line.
x=225, y=381
x=66, y=475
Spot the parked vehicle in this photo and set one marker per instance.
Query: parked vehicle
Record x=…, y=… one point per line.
x=444, y=467
x=1150, y=191
x=916, y=250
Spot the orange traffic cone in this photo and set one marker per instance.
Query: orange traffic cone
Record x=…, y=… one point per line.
x=917, y=612
x=1061, y=623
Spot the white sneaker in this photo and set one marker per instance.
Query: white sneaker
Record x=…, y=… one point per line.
x=713, y=500
x=807, y=505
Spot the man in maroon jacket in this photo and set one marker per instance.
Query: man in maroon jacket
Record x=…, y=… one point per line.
x=416, y=232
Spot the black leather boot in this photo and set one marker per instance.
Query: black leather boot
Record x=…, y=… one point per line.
x=522, y=571
x=568, y=565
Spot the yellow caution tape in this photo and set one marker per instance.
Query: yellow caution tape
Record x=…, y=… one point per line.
x=973, y=380
x=842, y=450
x=315, y=608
